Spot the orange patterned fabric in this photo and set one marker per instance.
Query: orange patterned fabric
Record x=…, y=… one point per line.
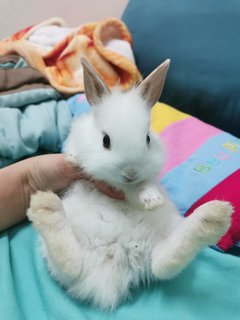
x=61, y=65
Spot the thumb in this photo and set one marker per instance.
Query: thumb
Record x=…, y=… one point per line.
x=52, y=172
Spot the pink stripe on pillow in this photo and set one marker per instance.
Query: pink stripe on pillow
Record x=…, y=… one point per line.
x=182, y=138
x=227, y=190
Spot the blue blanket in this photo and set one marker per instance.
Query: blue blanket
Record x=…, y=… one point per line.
x=208, y=289
x=31, y=120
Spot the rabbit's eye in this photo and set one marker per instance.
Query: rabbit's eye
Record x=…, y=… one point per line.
x=106, y=141
x=148, y=139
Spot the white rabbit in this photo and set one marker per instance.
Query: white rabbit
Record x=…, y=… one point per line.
x=97, y=247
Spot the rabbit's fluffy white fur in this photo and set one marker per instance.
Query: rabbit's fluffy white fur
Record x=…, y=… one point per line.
x=98, y=247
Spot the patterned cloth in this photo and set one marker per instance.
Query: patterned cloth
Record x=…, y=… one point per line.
x=106, y=44
x=202, y=164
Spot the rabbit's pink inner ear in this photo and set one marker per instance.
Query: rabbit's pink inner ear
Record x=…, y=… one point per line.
x=151, y=87
x=95, y=87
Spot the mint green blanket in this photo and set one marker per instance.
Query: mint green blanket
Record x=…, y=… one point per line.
x=208, y=289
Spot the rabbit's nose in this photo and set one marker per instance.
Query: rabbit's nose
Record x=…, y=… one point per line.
x=129, y=174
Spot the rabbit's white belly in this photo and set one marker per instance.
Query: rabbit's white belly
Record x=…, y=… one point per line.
x=102, y=224
x=116, y=243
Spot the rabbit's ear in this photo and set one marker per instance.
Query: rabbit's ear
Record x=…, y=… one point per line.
x=151, y=87
x=95, y=87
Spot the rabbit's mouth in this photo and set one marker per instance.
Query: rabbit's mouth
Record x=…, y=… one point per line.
x=129, y=175
x=131, y=181
x=128, y=180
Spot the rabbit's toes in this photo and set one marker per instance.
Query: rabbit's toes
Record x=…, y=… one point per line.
x=151, y=198
x=46, y=210
x=72, y=160
x=215, y=219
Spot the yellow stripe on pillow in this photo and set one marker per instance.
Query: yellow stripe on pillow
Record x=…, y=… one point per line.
x=163, y=115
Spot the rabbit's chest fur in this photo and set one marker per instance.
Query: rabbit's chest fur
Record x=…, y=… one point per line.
x=110, y=231
x=115, y=243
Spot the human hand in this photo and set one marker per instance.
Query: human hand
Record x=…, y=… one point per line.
x=47, y=172
x=52, y=172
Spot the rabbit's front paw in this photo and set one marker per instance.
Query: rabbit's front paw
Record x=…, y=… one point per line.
x=72, y=160
x=46, y=210
x=151, y=198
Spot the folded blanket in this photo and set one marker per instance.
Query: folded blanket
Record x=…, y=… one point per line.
x=55, y=51
x=33, y=116
x=202, y=163
x=14, y=77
